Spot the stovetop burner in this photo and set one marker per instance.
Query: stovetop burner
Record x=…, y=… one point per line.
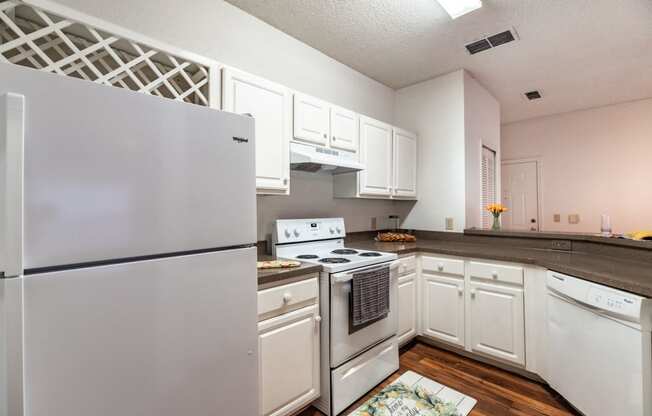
x=344, y=251
x=334, y=260
x=307, y=256
x=371, y=254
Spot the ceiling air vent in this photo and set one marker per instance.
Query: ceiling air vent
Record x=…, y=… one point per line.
x=533, y=95
x=492, y=41
x=479, y=46
x=501, y=38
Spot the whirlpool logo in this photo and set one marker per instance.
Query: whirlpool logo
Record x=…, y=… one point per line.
x=240, y=139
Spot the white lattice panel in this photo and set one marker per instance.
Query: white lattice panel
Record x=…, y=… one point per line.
x=43, y=40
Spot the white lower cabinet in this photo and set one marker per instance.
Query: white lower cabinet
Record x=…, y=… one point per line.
x=407, y=307
x=288, y=351
x=443, y=308
x=496, y=321
x=478, y=306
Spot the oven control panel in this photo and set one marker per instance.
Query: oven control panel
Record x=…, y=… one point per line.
x=295, y=231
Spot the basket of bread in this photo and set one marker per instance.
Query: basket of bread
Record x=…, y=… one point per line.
x=392, y=237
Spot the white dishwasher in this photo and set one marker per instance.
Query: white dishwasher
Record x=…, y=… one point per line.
x=599, y=348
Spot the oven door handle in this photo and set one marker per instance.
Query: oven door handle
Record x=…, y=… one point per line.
x=347, y=277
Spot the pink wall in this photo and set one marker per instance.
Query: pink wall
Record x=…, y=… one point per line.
x=593, y=161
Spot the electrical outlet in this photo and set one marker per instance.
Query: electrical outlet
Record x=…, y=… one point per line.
x=574, y=219
x=560, y=245
x=374, y=223
x=556, y=217
x=450, y=223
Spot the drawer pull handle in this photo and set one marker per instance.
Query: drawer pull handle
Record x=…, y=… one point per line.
x=440, y=267
x=494, y=274
x=287, y=298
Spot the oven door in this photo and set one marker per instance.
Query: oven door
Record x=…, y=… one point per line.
x=345, y=345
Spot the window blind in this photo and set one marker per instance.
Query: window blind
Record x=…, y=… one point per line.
x=488, y=184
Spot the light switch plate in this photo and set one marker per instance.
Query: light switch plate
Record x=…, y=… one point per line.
x=556, y=217
x=374, y=223
x=574, y=219
x=450, y=223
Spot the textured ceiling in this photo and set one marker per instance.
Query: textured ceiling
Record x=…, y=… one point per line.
x=579, y=53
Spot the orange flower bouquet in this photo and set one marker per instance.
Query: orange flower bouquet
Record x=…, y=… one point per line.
x=496, y=210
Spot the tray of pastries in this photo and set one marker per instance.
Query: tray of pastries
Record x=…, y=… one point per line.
x=396, y=237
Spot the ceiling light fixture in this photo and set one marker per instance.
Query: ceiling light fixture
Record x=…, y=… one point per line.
x=457, y=8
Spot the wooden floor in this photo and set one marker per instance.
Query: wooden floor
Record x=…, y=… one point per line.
x=498, y=392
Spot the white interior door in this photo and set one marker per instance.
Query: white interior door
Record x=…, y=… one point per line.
x=405, y=164
x=376, y=155
x=345, y=129
x=270, y=106
x=311, y=119
x=520, y=196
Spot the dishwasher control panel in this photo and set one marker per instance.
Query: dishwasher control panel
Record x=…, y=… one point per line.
x=614, y=302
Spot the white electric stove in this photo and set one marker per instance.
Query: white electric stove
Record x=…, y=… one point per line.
x=353, y=360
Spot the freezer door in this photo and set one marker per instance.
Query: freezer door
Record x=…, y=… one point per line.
x=111, y=173
x=168, y=337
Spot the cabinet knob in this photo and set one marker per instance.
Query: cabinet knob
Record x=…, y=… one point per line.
x=325, y=136
x=287, y=298
x=473, y=293
x=334, y=138
x=460, y=291
x=317, y=318
x=440, y=267
x=494, y=274
x=285, y=181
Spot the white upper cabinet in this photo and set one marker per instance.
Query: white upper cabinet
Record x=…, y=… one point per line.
x=270, y=105
x=376, y=155
x=311, y=119
x=405, y=164
x=345, y=129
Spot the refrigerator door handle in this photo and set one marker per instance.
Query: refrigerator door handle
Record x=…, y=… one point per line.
x=12, y=145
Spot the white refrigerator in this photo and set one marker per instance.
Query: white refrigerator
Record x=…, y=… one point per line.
x=127, y=259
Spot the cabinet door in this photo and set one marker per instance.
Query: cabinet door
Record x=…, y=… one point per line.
x=345, y=129
x=288, y=361
x=496, y=321
x=405, y=164
x=443, y=308
x=311, y=119
x=407, y=304
x=269, y=104
x=376, y=155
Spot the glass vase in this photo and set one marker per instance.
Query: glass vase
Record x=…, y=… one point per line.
x=496, y=225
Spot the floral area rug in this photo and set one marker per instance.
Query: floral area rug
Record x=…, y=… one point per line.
x=415, y=395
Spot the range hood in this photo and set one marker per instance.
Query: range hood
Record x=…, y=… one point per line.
x=312, y=158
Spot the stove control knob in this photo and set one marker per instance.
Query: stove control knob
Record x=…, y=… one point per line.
x=339, y=230
x=287, y=233
x=296, y=232
x=332, y=230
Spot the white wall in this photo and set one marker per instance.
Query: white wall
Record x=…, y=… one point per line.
x=594, y=161
x=218, y=30
x=482, y=128
x=435, y=109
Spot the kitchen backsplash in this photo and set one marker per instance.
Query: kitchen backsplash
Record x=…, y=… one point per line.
x=311, y=196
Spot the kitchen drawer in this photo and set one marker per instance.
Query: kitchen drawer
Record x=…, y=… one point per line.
x=442, y=265
x=282, y=299
x=407, y=265
x=496, y=272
